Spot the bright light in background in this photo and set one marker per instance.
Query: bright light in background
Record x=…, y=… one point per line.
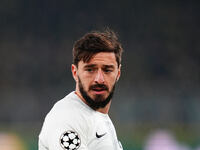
x=10, y=141
x=163, y=140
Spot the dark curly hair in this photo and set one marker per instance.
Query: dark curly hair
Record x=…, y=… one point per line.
x=95, y=42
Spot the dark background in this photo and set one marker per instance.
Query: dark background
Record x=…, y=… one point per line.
x=160, y=83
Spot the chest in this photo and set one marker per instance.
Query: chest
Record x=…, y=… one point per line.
x=103, y=136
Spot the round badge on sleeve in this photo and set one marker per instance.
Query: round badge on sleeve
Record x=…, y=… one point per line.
x=70, y=140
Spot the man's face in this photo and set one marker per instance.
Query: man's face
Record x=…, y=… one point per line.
x=96, y=79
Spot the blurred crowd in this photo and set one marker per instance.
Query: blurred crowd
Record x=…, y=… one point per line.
x=160, y=67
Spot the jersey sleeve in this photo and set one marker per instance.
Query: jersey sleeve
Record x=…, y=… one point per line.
x=41, y=146
x=63, y=132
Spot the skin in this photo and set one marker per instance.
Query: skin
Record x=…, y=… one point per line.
x=101, y=69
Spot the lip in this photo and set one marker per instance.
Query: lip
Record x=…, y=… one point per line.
x=99, y=92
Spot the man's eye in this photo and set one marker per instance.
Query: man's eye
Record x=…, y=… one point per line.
x=89, y=70
x=107, y=70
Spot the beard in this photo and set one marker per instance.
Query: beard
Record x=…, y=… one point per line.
x=98, y=101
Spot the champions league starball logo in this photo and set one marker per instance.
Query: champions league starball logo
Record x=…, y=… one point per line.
x=70, y=140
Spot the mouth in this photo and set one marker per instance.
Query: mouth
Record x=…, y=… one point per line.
x=99, y=90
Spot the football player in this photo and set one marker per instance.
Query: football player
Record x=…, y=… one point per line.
x=80, y=121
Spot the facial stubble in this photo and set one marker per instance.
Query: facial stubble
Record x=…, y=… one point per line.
x=98, y=101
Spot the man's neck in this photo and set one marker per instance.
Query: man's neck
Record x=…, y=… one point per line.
x=104, y=110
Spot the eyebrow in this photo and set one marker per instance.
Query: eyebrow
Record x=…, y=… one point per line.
x=93, y=65
x=109, y=66
x=89, y=66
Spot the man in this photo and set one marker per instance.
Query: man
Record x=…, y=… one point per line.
x=80, y=120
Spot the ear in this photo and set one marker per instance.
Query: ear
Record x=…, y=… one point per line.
x=74, y=72
x=119, y=72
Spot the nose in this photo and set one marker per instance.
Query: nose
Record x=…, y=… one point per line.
x=99, y=77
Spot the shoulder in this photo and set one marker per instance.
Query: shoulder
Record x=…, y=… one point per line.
x=68, y=115
x=70, y=108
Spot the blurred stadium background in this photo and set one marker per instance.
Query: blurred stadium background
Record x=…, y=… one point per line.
x=157, y=101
